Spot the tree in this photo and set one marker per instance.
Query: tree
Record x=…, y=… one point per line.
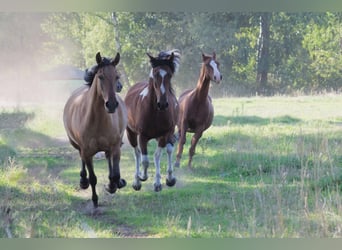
x=263, y=53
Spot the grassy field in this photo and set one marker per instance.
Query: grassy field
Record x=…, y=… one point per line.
x=267, y=167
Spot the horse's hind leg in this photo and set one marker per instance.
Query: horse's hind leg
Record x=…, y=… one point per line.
x=181, y=142
x=192, y=149
x=84, y=182
x=170, y=180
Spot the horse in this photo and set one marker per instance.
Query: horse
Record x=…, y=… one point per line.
x=95, y=119
x=152, y=110
x=196, y=110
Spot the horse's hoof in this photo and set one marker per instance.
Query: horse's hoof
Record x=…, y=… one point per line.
x=171, y=182
x=157, y=187
x=84, y=183
x=111, y=188
x=143, y=178
x=136, y=186
x=122, y=183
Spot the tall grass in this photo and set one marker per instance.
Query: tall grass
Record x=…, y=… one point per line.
x=267, y=167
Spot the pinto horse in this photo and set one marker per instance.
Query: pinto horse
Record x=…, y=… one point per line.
x=95, y=119
x=196, y=111
x=152, y=114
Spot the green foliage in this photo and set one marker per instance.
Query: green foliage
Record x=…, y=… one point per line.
x=304, y=48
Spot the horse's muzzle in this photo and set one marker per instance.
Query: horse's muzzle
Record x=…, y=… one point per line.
x=162, y=105
x=111, y=106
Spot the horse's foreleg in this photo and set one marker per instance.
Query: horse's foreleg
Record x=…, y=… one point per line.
x=137, y=155
x=144, y=155
x=114, y=172
x=92, y=181
x=192, y=149
x=157, y=183
x=170, y=180
x=84, y=182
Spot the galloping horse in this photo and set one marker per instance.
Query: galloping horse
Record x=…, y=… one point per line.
x=152, y=114
x=95, y=119
x=195, y=108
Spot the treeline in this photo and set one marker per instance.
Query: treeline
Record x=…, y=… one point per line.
x=260, y=53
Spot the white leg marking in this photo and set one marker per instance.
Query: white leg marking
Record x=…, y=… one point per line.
x=157, y=156
x=145, y=163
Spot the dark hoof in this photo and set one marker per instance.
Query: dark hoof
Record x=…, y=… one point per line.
x=171, y=182
x=96, y=204
x=143, y=178
x=157, y=188
x=136, y=187
x=111, y=188
x=122, y=183
x=84, y=183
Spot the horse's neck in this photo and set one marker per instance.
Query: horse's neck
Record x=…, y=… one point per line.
x=93, y=104
x=202, y=88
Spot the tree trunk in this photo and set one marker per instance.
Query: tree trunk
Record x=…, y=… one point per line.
x=118, y=47
x=263, y=54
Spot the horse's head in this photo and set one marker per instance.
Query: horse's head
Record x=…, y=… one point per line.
x=89, y=75
x=107, y=79
x=212, y=67
x=160, y=77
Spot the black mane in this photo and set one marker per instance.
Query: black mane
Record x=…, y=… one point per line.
x=164, y=58
x=161, y=62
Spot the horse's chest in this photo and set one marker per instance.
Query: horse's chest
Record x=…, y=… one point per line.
x=156, y=125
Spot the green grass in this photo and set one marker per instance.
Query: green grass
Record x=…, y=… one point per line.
x=267, y=167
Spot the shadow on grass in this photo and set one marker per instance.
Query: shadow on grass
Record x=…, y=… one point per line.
x=220, y=120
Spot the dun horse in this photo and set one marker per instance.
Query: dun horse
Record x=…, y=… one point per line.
x=152, y=114
x=195, y=108
x=95, y=119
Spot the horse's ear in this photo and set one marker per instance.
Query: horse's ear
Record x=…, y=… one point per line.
x=152, y=60
x=116, y=60
x=214, y=55
x=98, y=58
x=150, y=56
x=204, y=57
x=171, y=57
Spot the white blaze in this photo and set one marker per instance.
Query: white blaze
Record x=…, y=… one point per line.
x=217, y=73
x=162, y=87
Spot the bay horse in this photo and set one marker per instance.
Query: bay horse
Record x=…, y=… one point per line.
x=196, y=110
x=152, y=110
x=95, y=119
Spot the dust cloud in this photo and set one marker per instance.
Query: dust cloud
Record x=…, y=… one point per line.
x=28, y=73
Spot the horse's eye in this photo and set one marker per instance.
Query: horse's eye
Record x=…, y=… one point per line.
x=101, y=77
